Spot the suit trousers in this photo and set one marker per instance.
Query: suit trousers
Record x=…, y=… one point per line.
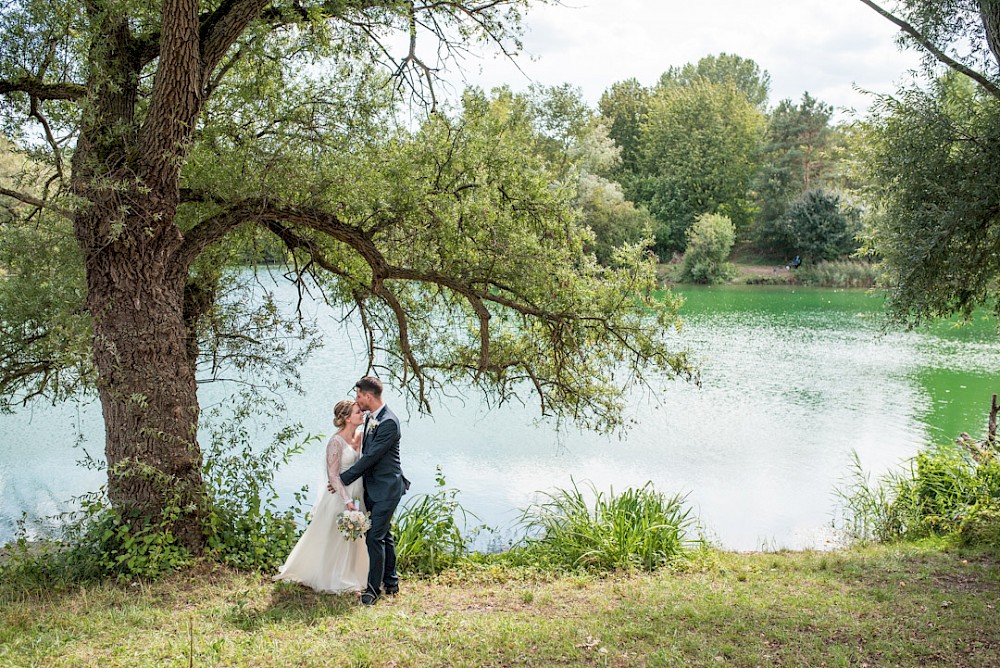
x=381, y=548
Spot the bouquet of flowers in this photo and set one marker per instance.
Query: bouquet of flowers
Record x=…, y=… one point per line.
x=353, y=524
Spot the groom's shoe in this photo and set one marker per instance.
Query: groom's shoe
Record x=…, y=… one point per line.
x=368, y=598
x=390, y=591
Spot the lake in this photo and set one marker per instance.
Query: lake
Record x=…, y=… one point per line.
x=795, y=382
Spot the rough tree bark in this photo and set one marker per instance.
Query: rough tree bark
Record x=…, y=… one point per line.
x=989, y=10
x=135, y=286
x=126, y=170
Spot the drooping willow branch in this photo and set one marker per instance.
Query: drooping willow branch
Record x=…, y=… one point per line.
x=940, y=55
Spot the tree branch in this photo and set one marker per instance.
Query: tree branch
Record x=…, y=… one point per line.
x=222, y=28
x=34, y=201
x=41, y=90
x=940, y=55
x=36, y=113
x=411, y=57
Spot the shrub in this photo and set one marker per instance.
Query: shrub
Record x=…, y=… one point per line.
x=640, y=529
x=821, y=226
x=709, y=242
x=245, y=527
x=838, y=274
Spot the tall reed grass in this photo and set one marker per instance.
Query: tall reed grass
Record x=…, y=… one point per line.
x=838, y=274
x=638, y=529
x=950, y=491
x=429, y=531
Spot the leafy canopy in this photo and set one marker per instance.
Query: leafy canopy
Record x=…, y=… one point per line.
x=457, y=242
x=931, y=164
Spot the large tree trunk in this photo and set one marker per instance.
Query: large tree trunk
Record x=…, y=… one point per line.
x=126, y=172
x=135, y=293
x=990, y=12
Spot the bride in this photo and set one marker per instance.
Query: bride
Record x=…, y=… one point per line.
x=323, y=559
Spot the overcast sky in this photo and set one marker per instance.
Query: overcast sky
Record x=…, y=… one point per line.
x=826, y=47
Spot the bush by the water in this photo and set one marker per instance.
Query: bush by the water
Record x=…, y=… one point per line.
x=950, y=491
x=837, y=274
x=639, y=529
x=709, y=242
x=427, y=531
x=243, y=524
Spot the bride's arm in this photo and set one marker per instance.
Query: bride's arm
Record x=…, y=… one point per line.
x=334, y=451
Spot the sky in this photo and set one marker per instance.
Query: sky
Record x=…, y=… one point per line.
x=830, y=48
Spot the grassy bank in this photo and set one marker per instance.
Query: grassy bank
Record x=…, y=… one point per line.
x=840, y=274
x=899, y=606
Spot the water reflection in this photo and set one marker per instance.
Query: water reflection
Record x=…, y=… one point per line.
x=794, y=382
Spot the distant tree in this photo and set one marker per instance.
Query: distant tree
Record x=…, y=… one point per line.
x=625, y=107
x=560, y=117
x=614, y=220
x=931, y=164
x=701, y=145
x=709, y=243
x=579, y=146
x=797, y=156
x=725, y=68
x=820, y=227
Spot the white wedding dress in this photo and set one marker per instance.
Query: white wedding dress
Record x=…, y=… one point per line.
x=323, y=559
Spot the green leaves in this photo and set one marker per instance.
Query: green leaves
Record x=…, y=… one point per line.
x=931, y=166
x=709, y=242
x=44, y=327
x=701, y=145
x=638, y=529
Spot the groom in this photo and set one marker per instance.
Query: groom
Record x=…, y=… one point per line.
x=384, y=486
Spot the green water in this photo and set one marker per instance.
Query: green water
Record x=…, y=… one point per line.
x=952, y=367
x=794, y=384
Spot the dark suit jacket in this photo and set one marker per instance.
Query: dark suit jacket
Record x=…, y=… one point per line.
x=379, y=461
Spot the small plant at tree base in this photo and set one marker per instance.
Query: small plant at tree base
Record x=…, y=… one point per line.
x=246, y=529
x=96, y=543
x=709, y=242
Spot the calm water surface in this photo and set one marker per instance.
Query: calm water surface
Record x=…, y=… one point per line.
x=794, y=382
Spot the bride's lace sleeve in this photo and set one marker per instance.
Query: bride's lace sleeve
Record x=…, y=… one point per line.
x=334, y=451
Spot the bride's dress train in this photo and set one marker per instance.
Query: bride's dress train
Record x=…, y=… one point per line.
x=323, y=559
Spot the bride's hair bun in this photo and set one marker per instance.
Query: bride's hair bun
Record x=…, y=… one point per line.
x=341, y=412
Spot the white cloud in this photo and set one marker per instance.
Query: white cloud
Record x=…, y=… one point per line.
x=828, y=48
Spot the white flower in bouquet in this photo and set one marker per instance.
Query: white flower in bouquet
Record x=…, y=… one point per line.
x=353, y=524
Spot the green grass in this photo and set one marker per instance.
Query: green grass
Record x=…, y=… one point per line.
x=639, y=528
x=886, y=606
